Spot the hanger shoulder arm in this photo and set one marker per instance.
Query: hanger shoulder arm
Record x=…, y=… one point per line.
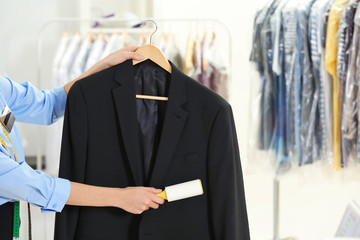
x=154, y=54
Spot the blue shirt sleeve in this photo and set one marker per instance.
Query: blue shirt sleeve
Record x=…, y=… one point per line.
x=19, y=181
x=31, y=105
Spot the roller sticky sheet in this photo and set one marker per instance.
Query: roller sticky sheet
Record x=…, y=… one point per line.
x=182, y=190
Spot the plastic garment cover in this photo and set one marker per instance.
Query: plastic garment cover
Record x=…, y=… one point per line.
x=331, y=66
x=262, y=56
x=315, y=22
x=357, y=25
x=309, y=92
x=306, y=53
x=326, y=96
x=269, y=90
x=349, y=122
x=281, y=145
x=289, y=36
x=347, y=72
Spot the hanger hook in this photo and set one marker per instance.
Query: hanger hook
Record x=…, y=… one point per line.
x=143, y=24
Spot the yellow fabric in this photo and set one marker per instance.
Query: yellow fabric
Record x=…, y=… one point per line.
x=188, y=66
x=330, y=64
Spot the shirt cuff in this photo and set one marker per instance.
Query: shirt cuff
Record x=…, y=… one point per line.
x=60, y=196
x=59, y=96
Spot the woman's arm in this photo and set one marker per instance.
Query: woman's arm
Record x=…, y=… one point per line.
x=132, y=199
x=111, y=60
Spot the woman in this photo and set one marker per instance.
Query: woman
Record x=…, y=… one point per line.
x=18, y=181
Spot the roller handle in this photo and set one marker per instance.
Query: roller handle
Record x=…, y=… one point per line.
x=162, y=195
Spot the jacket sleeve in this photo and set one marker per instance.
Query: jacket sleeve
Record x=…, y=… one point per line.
x=72, y=158
x=225, y=182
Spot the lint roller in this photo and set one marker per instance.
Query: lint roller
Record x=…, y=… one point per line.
x=182, y=190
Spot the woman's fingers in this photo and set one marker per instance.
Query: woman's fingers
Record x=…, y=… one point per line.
x=133, y=55
x=157, y=199
x=153, y=190
x=154, y=197
x=130, y=48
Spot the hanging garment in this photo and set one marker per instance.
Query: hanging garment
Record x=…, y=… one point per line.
x=205, y=72
x=78, y=66
x=64, y=76
x=291, y=115
x=194, y=138
x=281, y=145
x=357, y=36
x=68, y=59
x=323, y=127
x=96, y=51
x=196, y=58
x=275, y=23
x=347, y=72
x=309, y=89
x=172, y=52
x=262, y=47
x=188, y=61
x=53, y=132
x=60, y=51
x=271, y=88
x=326, y=96
x=218, y=68
x=331, y=65
x=115, y=43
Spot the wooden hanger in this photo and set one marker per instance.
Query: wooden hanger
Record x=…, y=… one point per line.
x=153, y=53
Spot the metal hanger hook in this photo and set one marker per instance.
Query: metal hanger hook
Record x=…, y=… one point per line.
x=143, y=24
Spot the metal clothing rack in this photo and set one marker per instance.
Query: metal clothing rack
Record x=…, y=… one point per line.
x=69, y=21
x=276, y=211
x=72, y=21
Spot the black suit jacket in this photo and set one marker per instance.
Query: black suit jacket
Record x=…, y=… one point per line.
x=101, y=147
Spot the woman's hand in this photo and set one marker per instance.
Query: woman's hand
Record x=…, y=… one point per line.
x=136, y=200
x=113, y=59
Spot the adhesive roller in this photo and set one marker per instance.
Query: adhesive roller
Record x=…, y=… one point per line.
x=182, y=190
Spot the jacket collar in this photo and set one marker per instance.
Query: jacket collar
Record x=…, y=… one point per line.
x=175, y=117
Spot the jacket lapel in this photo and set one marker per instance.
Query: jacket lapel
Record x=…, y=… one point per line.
x=174, y=121
x=125, y=102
